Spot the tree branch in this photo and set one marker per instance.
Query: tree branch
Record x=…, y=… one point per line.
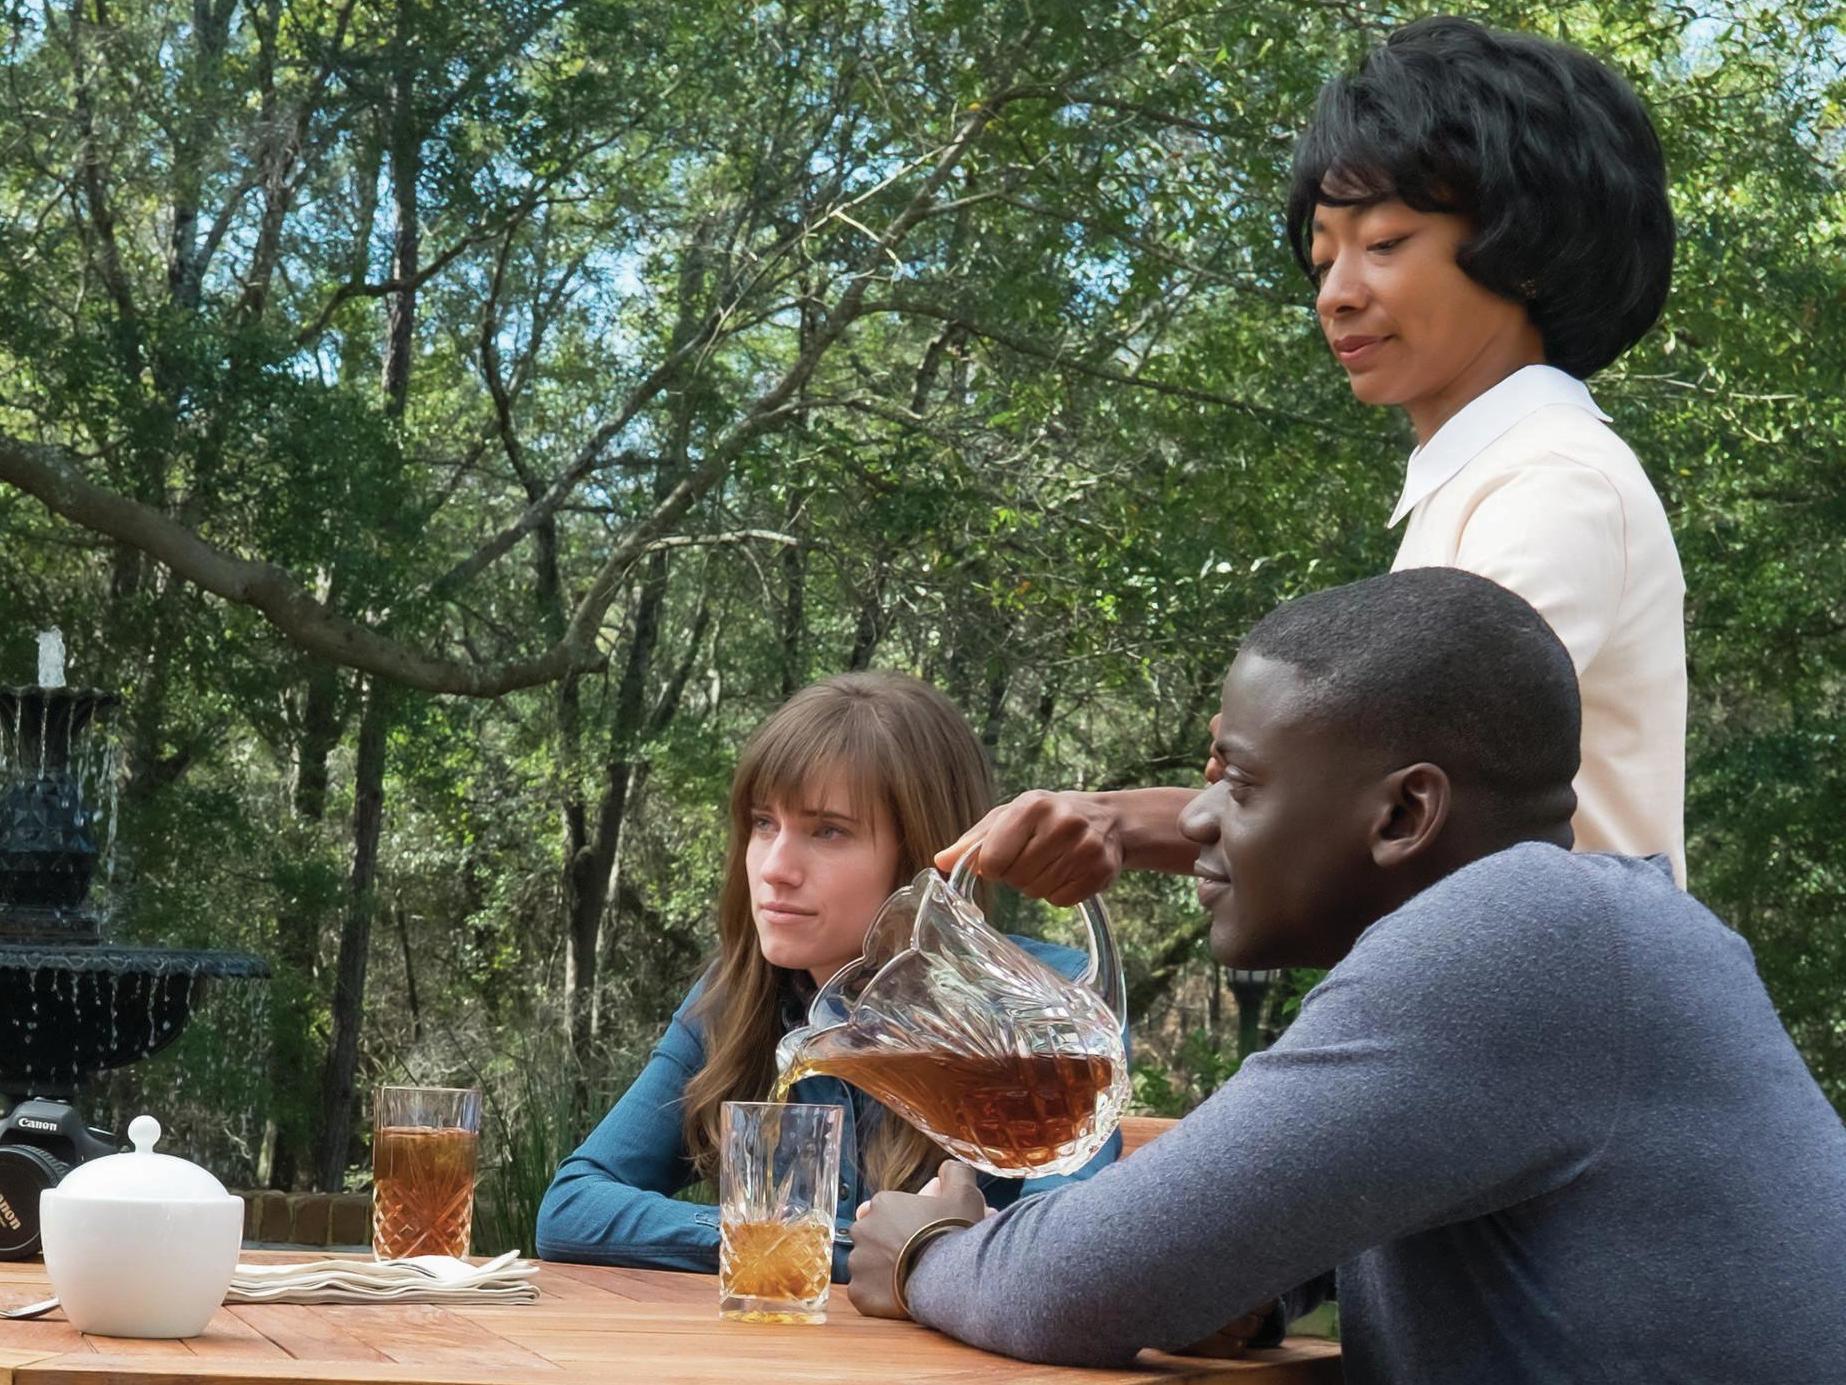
x=47, y=474
x=50, y=475
x=1025, y=347
x=667, y=706
x=573, y=475
x=102, y=214
x=384, y=288
x=728, y=536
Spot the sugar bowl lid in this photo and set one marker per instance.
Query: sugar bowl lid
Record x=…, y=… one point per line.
x=141, y=1175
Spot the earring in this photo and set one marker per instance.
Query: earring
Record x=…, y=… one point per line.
x=1529, y=288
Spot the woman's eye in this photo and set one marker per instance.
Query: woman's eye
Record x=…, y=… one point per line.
x=1318, y=270
x=762, y=822
x=829, y=831
x=1383, y=245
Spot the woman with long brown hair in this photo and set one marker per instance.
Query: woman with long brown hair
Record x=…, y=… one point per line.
x=840, y=796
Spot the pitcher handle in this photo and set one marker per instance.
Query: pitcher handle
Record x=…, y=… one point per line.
x=1103, y=975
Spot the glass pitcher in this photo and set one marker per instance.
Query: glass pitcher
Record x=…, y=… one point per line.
x=1002, y=1061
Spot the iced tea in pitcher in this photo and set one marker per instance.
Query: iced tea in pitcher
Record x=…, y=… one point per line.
x=1005, y=1063
x=1021, y=1111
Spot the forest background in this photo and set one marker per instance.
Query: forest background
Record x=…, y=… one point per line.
x=452, y=424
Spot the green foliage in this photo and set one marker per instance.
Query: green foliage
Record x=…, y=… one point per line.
x=1198, y=1067
x=536, y=1116
x=1081, y=432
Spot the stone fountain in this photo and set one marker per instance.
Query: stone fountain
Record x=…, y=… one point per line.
x=72, y=1005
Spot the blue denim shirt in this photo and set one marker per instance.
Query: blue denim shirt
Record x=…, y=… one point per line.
x=612, y=1202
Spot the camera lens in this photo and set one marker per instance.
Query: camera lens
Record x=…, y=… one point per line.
x=25, y=1172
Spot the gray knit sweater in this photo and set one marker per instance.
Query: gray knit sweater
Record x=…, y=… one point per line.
x=1542, y=1120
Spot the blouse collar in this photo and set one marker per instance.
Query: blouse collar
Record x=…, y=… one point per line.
x=1481, y=422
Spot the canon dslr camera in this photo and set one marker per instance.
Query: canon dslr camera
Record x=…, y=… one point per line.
x=40, y=1142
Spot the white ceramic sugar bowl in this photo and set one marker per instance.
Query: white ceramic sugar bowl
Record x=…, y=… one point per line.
x=140, y=1244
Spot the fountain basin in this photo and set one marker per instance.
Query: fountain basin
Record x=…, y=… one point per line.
x=70, y=1004
x=70, y=1012
x=48, y=845
x=39, y=726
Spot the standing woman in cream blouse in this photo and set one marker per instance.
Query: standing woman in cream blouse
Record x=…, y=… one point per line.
x=1484, y=216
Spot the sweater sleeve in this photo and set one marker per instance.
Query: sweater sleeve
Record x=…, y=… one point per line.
x=611, y=1201
x=1434, y=1075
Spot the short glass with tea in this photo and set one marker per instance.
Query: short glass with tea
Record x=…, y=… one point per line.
x=423, y=1157
x=778, y=1195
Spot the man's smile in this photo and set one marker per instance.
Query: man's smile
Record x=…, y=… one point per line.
x=1214, y=881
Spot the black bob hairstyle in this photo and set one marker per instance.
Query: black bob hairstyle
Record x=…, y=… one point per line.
x=1548, y=153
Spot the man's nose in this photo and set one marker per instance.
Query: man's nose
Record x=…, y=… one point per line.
x=1198, y=820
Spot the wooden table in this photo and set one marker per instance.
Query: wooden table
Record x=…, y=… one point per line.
x=589, y=1324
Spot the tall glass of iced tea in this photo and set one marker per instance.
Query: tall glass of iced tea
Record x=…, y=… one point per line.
x=778, y=1193
x=423, y=1149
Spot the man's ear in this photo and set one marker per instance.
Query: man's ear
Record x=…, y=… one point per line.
x=1413, y=809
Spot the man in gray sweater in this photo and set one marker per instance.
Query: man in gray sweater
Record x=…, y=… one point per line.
x=1540, y=1119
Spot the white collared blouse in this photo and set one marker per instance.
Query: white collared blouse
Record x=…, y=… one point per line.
x=1528, y=485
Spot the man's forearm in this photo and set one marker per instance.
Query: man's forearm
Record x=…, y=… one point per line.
x=1148, y=821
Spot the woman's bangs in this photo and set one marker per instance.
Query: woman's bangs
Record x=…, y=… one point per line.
x=1348, y=183
x=797, y=756
x=1339, y=162
x=1361, y=150
x=1346, y=161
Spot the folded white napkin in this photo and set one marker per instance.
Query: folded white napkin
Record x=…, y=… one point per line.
x=419, y=1279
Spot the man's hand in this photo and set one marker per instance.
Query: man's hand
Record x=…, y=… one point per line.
x=1061, y=847
x=1233, y=1337
x=933, y=1188
x=886, y=1222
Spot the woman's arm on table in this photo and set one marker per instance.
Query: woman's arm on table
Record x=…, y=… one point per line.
x=611, y=1202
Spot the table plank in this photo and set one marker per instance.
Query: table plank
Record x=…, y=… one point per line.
x=425, y=1335
x=301, y=1331
x=228, y=1335
x=10, y=1361
x=640, y=1286
x=673, y=1340
x=137, y=1346
x=554, y=1288
x=592, y=1325
x=129, y=1370
x=37, y=1337
x=142, y=1370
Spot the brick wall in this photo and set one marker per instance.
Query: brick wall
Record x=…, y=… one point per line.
x=308, y=1219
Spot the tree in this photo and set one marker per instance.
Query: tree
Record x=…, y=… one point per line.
x=593, y=375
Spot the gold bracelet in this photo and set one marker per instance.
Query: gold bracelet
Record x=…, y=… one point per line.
x=907, y=1256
